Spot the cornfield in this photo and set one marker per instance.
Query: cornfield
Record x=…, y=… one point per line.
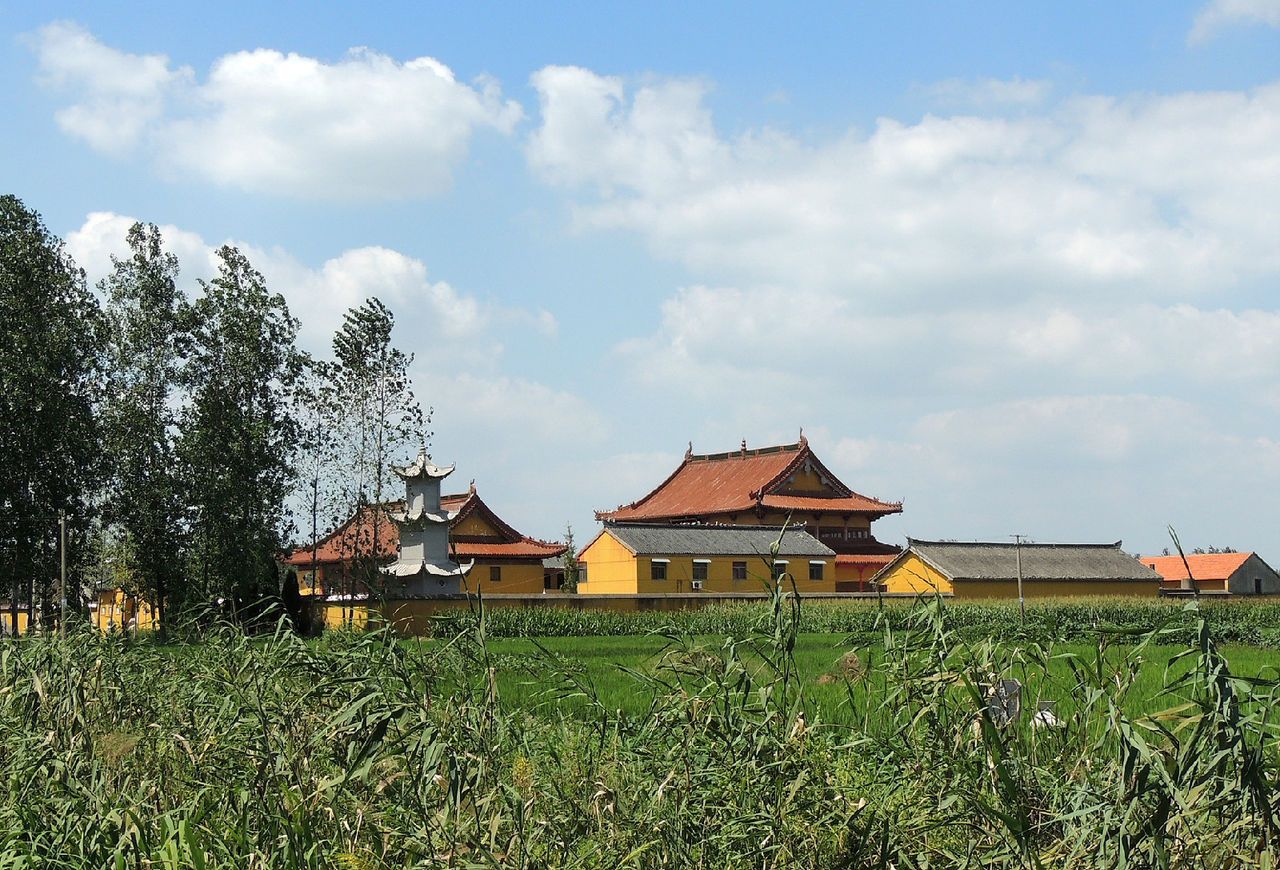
x=1256, y=623
x=359, y=750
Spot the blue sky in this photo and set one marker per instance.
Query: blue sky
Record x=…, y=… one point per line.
x=1015, y=264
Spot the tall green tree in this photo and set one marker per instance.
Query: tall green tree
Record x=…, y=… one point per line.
x=237, y=436
x=318, y=413
x=144, y=495
x=381, y=420
x=51, y=339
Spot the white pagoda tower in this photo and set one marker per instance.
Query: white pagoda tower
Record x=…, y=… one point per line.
x=423, y=568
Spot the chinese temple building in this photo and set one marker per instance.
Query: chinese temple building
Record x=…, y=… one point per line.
x=772, y=486
x=502, y=559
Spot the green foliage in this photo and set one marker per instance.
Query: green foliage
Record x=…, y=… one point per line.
x=237, y=444
x=145, y=488
x=51, y=340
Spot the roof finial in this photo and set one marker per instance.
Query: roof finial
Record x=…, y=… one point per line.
x=473, y=486
x=688, y=453
x=803, y=440
x=744, y=446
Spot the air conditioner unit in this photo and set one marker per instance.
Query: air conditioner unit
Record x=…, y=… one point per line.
x=696, y=584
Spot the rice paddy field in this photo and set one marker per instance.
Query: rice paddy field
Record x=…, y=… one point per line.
x=839, y=674
x=742, y=738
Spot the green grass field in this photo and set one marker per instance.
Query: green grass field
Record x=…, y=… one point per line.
x=529, y=672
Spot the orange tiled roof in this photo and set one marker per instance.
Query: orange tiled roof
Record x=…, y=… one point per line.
x=853, y=504
x=522, y=549
x=356, y=535
x=720, y=483
x=1204, y=566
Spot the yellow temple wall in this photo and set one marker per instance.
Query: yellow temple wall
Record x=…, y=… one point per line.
x=613, y=569
x=913, y=574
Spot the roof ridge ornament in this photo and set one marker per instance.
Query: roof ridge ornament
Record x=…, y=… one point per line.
x=744, y=448
x=688, y=452
x=804, y=442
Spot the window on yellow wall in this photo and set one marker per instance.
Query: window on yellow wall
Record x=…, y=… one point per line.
x=779, y=568
x=815, y=570
x=739, y=570
x=658, y=569
x=700, y=569
x=495, y=574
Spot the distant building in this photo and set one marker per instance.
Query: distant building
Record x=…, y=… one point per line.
x=771, y=486
x=505, y=561
x=1221, y=573
x=990, y=570
x=113, y=609
x=648, y=558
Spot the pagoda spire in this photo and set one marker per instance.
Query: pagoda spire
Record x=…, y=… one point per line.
x=424, y=533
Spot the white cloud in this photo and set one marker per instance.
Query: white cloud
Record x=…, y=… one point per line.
x=990, y=93
x=1108, y=428
x=319, y=296
x=662, y=140
x=103, y=234
x=363, y=127
x=799, y=346
x=501, y=409
x=120, y=94
x=1157, y=196
x=1069, y=467
x=1219, y=14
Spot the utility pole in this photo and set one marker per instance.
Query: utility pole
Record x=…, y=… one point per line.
x=62, y=584
x=1017, y=553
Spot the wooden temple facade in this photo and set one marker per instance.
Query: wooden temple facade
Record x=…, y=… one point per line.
x=772, y=486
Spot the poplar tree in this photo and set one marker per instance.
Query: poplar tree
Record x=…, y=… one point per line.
x=317, y=412
x=381, y=420
x=50, y=374
x=238, y=438
x=144, y=496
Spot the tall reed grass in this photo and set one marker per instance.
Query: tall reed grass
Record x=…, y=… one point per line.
x=271, y=751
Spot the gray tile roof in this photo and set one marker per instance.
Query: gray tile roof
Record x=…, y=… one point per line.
x=656, y=539
x=998, y=561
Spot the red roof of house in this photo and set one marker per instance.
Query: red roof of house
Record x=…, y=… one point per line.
x=1204, y=566
x=356, y=534
x=726, y=483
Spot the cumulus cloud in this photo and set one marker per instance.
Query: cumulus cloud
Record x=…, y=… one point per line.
x=1161, y=195
x=119, y=94
x=320, y=295
x=1220, y=14
x=659, y=140
x=804, y=345
x=362, y=127
x=103, y=235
